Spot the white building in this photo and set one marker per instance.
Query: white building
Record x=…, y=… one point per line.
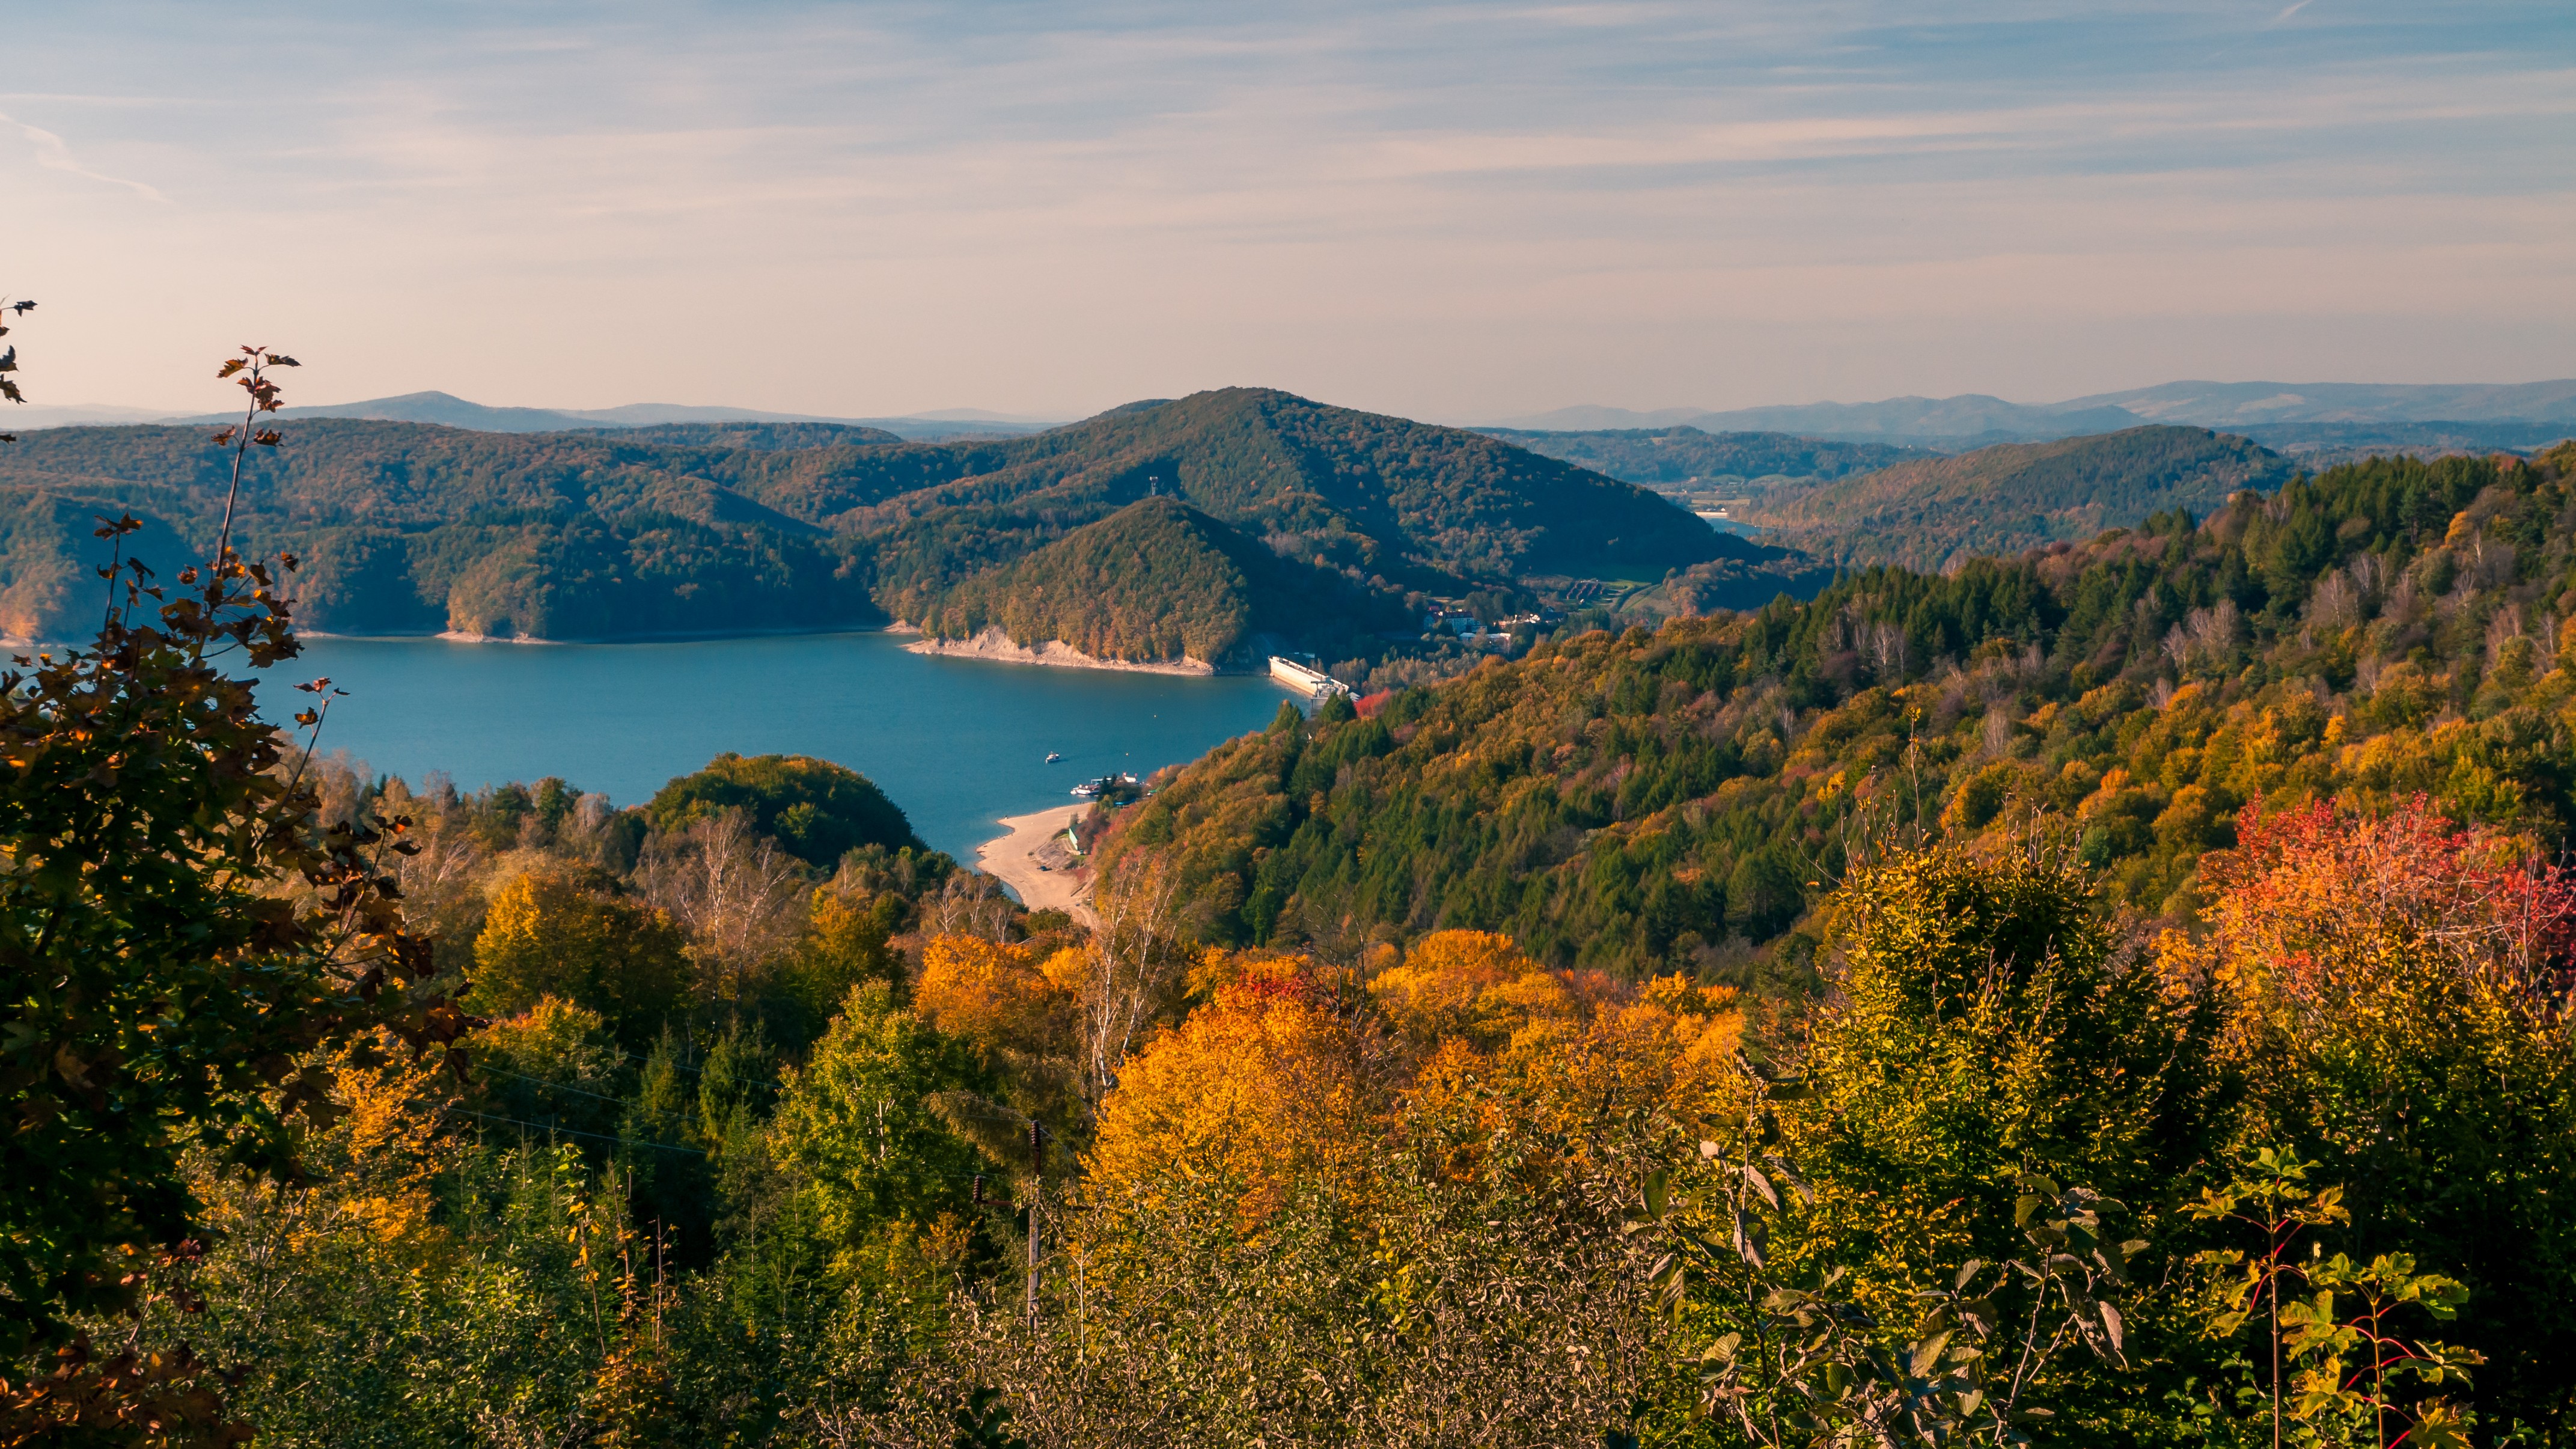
x=1304, y=680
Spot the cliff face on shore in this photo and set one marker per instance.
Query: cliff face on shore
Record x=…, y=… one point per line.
x=995, y=645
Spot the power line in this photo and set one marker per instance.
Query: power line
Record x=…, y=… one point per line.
x=581, y=1092
x=550, y=1127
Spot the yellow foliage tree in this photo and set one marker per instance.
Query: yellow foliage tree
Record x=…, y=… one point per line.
x=1471, y=985
x=996, y=993
x=1274, y=1081
x=1985, y=1025
x=845, y=943
x=549, y=934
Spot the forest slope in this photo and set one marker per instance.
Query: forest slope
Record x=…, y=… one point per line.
x=1157, y=582
x=413, y=526
x=1644, y=801
x=1925, y=512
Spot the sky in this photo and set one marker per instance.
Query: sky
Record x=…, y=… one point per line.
x=1463, y=212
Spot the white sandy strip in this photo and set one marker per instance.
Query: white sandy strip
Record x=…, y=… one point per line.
x=1033, y=862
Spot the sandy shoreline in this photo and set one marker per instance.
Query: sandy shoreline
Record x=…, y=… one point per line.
x=1033, y=861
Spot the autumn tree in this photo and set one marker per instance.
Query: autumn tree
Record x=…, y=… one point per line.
x=548, y=933
x=1986, y=1024
x=1282, y=1078
x=1472, y=985
x=182, y=944
x=819, y=810
x=857, y=1124
x=2396, y=992
x=998, y=993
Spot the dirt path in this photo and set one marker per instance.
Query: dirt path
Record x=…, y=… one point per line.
x=1033, y=861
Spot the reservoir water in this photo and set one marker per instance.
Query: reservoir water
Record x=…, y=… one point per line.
x=958, y=743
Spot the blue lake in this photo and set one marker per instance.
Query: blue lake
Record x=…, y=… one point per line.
x=958, y=743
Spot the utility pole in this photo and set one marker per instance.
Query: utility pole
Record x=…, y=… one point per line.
x=1037, y=1190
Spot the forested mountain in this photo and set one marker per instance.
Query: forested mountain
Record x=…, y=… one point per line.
x=1944, y=422
x=1685, y=454
x=1160, y=582
x=2321, y=445
x=1650, y=801
x=411, y=526
x=750, y=434
x=2013, y=496
x=2234, y=404
x=1969, y=420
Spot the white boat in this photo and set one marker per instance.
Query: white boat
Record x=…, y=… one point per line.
x=1052, y=757
x=1087, y=790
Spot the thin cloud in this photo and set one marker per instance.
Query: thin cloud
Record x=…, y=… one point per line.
x=53, y=155
x=1431, y=205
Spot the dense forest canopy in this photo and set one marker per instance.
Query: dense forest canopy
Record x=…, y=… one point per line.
x=411, y=527
x=2003, y=499
x=819, y=810
x=1160, y=582
x=1656, y=801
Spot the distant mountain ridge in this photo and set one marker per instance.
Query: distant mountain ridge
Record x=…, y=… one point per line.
x=1975, y=419
x=2226, y=404
x=449, y=410
x=1970, y=420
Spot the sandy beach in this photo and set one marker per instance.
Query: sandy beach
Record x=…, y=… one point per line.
x=1033, y=862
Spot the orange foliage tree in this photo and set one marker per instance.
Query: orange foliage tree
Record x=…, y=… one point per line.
x=997, y=993
x=1283, y=1077
x=2397, y=998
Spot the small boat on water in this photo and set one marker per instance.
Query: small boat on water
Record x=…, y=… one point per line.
x=1087, y=790
x=1053, y=756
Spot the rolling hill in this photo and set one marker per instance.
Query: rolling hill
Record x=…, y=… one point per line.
x=1974, y=420
x=1158, y=582
x=1950, y=423
x=2002, y=499
x=412, y=526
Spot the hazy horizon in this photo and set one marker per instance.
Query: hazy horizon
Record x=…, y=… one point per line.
x=45, y=415
x=1461, y=213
